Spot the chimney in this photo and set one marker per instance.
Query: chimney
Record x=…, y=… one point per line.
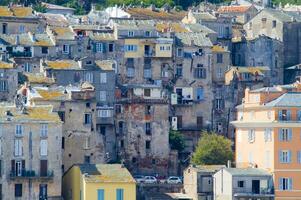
x=229, y=164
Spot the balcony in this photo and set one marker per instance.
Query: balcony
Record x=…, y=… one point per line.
x=31, y=174
x=263, y=193
x=105, y=120
x=142, y=100
x=21, y=54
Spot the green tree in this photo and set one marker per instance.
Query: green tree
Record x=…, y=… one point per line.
x=176, y=140
x=212, y=149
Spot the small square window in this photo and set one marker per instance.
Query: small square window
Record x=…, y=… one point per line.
x=240, y=184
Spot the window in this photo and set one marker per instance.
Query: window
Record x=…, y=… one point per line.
x=130, y=72
x=200, y=72
x=199, y=94
x=18, y=147
x=219, y=104
x=3, y=85
x=147, y=73
x=22, y=29
x=99, y=47
x=219, y=73
x=148, y=130
x=179, y=70
x=27, y=67
x=43, y=147
x=131, y=47
x=100, y=194
x=87, y=159
x=299, y=156
x=285, y=156
x=147, y=33
x=103, y=77
x=89, y=77
x=18, y=190
x=285, y=134
x=251, y=136
x=19, y=130
x=66, y=49
x=147, y=144
x=88, y=118
x=104, y=113
x=285, y=183
x=61, y=115
x=263, y=22
x=179, y=52
x=299, y=115
x=284, y=115
x=4, y=28
x=219, y=58
x=274, y=24
x=147, y=92
x=268, y=135
x=131, y=33
x=102, y=95
x=164, y=71
x=44, y=50
x=63, y=142
x=148, y=110
x=111, y=47
x=240, y=184
x=119, y=194
x=102, y=130
x=43, y=168
x=44, y=130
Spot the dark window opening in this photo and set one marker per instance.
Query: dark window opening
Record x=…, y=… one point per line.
x=18, y=190
x=147, y=144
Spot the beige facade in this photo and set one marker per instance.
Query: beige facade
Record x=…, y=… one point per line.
x=31, y=155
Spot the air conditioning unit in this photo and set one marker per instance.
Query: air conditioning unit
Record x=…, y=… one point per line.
x=174, y=123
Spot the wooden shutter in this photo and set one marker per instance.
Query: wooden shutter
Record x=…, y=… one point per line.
x=43, y=167
x=13, y=165
x=199, y=122
x=43, y=147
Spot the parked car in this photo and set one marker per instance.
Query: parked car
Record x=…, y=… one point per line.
x=150, y=179
x=139, y=178
x=174, y=180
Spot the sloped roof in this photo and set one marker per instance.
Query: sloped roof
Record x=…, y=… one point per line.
x=199, y=16
x=16, y=11
x=38, y=78
x=135, y=24
x=174, y=27
x=56, y=7
x=283, y=15
x=27, y=39
x=36, y=113
x=62, y=64
x=102, y=36
x=247, y=172
x=146, y=13
x=106, y=173
x=105, y=65
x=234, y=9
x=63, y=33
x=54, y=19
x=199, y=28
x=6, y=65
x=290, y=99
x=198, y=39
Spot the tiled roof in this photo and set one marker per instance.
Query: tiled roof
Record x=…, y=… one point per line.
x=251, y=69
x=62, y=64
x=198, y=39
x=6, y=65
x=247, y=172
x=36, y=113
x=38, y=78
x=173, y=27
x=208, y=168
x=54, y=19
x=199, y=28
x=106, y=173
x=283, y=16
x=218, y=48
x=203, y=16
x=135, y=24
x=106, y=65
x=63, y=33
x=290, y=99
x=146, y=13
x=102, y=36
x=56, y=7
x=16, y=11
x=233, y=9
x=27, y=39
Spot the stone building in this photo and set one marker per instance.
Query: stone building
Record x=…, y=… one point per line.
x=31, y=154
x=279, y=25
x=260, y=51
x=240, y=13
x=8, y=80
x=191, y=94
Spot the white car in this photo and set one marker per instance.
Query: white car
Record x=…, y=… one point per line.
x=150, y=179
x=139, y=178
x=174, y=180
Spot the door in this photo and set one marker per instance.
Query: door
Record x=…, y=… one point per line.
x=43, y=192
x=256, y=186
x=147, y=50
x=43, y=168
x=18, y=168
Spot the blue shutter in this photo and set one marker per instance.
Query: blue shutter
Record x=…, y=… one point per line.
x=94, y=47
x=299, y=115
x=290, y=134
x=280, y=156
x=122, y=48
x=119, y=194
x=298, y=156
x=290, y=183
x=135, y=47
x=104, y=47
x=280, y=134
x=100, y=194
x=200, y=94
x=289, y=156
x=288, y=112
x=280, y=115
x=280, y=184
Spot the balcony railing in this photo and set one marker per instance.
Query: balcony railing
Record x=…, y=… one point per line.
x=21, y=54
x=31, y=174
x=267, y=192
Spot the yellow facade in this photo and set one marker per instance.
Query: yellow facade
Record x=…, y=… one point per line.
x=81, y=185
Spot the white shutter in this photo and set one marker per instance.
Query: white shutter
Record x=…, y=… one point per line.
x=18, y=148
x=103, y=77
x=43, y=147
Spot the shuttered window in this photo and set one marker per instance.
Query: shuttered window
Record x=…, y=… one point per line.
x=18, y=147
x=119, y=194
x=43, y=147
x=100, y=194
